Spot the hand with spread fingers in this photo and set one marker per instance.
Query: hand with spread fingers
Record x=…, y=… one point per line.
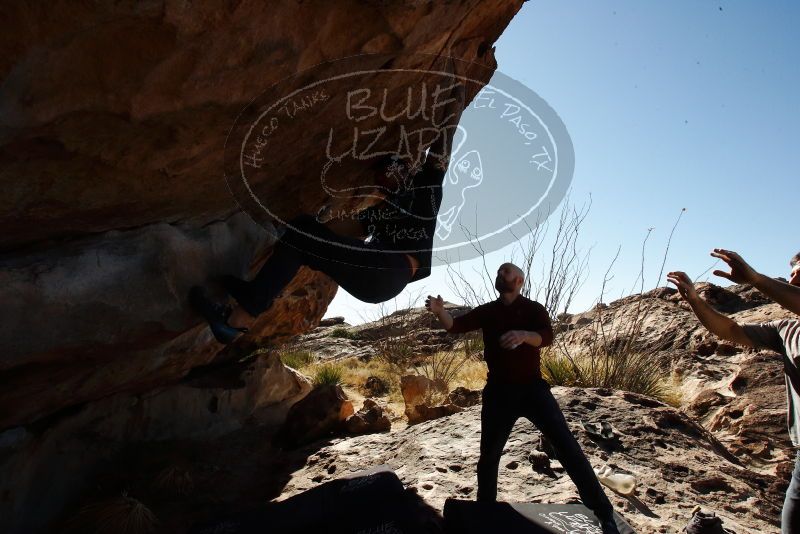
x=434, y=304
x=741, y=272
x=683, y=283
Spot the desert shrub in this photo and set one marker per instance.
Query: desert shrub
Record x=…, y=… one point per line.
x=174, y=480
x=473, y=344
x=328, y=375
x=638, y=372
x=118, y=515
x=444, y=366
x=343, y=332
x=396, y=353
x=297, y=359
x=557, y=370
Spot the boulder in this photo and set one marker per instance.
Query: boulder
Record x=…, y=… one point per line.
x=418, y=391
x=375, y=386
x=320, y=413
x=331, y=321
x=211, y=402
x=464, y=397
x=370, y=418
x=419, y=394
x=423, y=412
x=117, y=200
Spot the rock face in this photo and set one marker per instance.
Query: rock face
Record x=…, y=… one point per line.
x=115, y=198
x=40, y=462
x=112, y=142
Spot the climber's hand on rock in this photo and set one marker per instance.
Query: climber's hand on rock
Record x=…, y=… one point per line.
x=434, y=304
x=683, y=283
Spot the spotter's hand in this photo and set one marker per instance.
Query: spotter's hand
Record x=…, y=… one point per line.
x=741, y=272
x=434, y=304
x=683, y=283
x=512, y=339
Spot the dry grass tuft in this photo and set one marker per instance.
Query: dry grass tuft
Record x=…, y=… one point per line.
x=637, y=372
x=118, y=515
x=174, y=481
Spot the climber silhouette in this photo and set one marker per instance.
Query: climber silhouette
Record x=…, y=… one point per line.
x=387, y=247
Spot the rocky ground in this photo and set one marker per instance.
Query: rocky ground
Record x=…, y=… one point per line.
x=676, y=462
x=731, y=396
x=724, y=448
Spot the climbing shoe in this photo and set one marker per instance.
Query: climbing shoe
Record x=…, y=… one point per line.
x=704, y=523
x=216, y=315
x=602, y=431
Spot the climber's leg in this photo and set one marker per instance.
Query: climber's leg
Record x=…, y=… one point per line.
x=368, y=274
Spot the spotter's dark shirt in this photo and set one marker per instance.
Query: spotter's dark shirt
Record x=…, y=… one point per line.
x=521, y=365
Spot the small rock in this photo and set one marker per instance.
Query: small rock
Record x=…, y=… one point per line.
x=706, y=348
x=539, y=460
x=370, y=418
x=464, y=397
x=331, y=321
x=376, y=387
x=655, y=495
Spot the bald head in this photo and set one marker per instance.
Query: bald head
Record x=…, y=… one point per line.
x=517, y=271
x=509, y=278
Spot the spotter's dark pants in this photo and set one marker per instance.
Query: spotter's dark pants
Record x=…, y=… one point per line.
x=368, y=273
x=503, y=404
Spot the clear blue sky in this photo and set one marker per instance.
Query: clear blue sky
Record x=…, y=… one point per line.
x=670, y=105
